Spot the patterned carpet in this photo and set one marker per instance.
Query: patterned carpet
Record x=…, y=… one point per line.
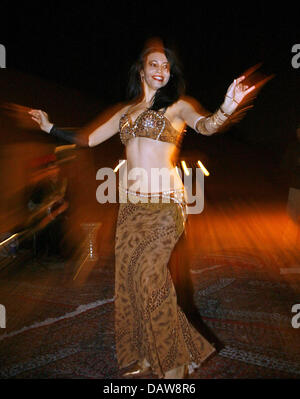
x=61, y=329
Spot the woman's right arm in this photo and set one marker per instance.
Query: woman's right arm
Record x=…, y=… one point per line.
x=95, y=133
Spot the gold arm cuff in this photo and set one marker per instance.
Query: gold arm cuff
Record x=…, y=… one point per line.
x=211, y=124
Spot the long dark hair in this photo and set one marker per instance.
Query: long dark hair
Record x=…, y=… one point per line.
x=165, y=96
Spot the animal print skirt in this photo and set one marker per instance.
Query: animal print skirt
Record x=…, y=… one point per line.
x=149, y=324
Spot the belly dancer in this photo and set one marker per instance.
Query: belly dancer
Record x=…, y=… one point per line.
x=151, y=330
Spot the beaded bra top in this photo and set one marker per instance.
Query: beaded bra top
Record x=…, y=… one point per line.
x=151, y=124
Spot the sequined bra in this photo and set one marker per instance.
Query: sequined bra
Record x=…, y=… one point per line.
x=151, y=124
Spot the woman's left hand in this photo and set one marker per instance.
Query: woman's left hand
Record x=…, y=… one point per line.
x=236, y=92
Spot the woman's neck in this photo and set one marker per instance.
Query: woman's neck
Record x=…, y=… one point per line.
x=148, y=95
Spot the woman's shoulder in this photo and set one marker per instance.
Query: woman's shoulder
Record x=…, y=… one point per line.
x=117, y=110
x=183, y=104
x=188, y=101
x=190, y=104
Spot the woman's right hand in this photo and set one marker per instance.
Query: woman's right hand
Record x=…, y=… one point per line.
x=42, y=119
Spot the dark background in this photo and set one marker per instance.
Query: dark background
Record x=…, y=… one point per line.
x=89, y=46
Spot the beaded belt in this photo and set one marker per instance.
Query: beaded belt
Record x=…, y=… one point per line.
x=175, y=195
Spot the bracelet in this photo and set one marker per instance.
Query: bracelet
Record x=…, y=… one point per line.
x=224, y=113
x=197, y=120
x=231, y=98
x=69, y=136
x=211, y=124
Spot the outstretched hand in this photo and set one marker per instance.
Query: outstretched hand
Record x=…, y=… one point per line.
x=42, y=119
x=239, y=91
x=236, y=93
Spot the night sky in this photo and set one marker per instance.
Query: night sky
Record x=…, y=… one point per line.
x=90, y=46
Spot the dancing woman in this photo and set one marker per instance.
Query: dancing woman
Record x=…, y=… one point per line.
x=151, y=330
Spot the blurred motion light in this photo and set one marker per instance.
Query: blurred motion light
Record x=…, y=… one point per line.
x=184, y=167
x=119, y=165
x=202, y=167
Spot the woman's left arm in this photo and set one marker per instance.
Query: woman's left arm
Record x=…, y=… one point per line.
x=209, y=124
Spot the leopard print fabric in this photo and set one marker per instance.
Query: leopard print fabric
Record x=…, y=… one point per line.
x=148, y=322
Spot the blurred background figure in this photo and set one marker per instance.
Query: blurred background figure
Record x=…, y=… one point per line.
x=47, y=205
x=33, y=191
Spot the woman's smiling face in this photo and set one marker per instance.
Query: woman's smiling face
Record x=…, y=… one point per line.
x=156, y=72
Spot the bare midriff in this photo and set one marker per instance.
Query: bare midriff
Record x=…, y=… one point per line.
x=150, y=166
